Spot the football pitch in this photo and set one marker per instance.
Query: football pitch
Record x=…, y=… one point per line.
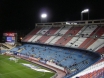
x=12, y=69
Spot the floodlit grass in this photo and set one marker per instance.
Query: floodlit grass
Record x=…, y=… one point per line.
x=10, y=69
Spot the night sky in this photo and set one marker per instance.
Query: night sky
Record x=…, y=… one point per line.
x=23, y=14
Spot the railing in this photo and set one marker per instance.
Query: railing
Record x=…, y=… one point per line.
x=67, y=23
x=54, y=76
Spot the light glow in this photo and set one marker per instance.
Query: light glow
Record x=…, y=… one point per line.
x=85, y=11
x=44, y=15
x=20, y=38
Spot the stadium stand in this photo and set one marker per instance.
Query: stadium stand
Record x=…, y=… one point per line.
x=85, y=32
x=48, y=34
x=31, y=34
x=71, y=46
x=77, y=36
x=94, y=74
x=73, y=32
x=3, y=51
x=79, y=59
x=88, y=73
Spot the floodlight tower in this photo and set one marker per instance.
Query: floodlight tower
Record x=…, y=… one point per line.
x=44, y=17
x=84, y=11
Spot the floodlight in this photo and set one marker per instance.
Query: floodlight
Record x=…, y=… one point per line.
x=44, y=15
x=85, y=11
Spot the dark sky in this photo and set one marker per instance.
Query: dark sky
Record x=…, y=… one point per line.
x=23, y=14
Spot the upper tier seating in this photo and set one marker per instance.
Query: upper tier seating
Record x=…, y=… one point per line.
x=85, y=37
x=31, y=34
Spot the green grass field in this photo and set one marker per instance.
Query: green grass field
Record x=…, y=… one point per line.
x=10, y=69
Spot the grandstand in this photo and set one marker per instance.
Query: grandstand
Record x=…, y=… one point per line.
x=78, y=34
x=70, y=47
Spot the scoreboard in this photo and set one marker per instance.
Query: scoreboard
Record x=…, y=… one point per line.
x=10, y=38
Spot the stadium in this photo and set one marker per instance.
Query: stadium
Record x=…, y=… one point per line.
x=72, y=49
